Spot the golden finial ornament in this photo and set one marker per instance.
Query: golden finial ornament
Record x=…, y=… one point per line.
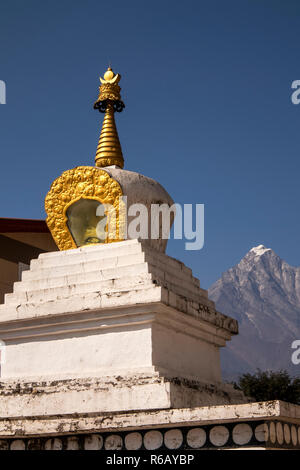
x=109, y=150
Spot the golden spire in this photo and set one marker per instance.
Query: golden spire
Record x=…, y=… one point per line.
x=109, y=150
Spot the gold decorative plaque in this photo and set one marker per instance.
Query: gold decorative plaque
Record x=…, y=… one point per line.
x=84, y=183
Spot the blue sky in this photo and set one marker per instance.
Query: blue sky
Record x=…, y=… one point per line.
x=207, y=87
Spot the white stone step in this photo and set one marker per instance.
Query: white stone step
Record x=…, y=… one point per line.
x=180, y=283
x=83, y=267
x=104, y=268
x=108, y=251
x=81, y=303
x=171, y=265
x=89, y=254
x=166, y=264
x=179, y=286
x=105, y=247
x=42, y=290
x=98, y=275
x=102, y=287
x=37, y=288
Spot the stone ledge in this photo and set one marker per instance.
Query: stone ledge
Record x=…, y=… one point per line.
x=109, y=318
x=266, y=425
x=109, y=394
x=93, y=301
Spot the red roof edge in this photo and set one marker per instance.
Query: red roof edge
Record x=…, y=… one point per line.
x=23, y=225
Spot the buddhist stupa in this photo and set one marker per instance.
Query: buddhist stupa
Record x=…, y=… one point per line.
x=109, y=343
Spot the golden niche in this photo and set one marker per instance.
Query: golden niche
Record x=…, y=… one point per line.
x=84, y=207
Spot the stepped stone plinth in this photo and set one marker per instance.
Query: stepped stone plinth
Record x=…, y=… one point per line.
x=112, y=327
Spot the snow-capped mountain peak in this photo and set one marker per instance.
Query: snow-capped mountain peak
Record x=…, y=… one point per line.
x=263, y=293
x=259, y=250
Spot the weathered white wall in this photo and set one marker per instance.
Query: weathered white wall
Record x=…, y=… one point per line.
x=80, y=354
x=185, y=355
